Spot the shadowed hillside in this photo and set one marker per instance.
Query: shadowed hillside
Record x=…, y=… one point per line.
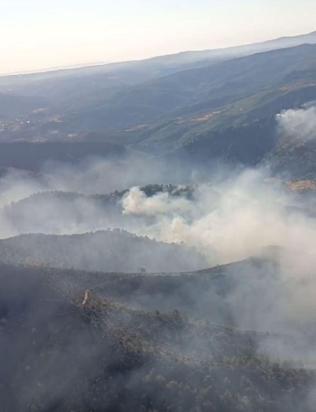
x=112, y=357
x=113, y=250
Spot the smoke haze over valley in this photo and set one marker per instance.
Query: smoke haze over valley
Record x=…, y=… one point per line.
x=158, y=232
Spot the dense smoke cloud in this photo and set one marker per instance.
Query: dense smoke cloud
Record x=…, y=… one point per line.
x=226, y=219
x=298, y=124
x=90, y=176
x=231, y=220
x=16, y=185
x=250, y=214
x=137, y=203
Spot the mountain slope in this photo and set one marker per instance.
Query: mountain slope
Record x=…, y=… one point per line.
x=13, y=106
x=32, y=156
x=200, y=91
x=224, y=111
x=87, y=87
x=110, y=251
x=200, y=112
x=71, y=349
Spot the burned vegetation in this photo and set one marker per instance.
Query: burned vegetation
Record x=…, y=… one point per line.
x=70, y=348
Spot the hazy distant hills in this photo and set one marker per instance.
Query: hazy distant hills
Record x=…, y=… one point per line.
x=203, y=91
x=93, y=86
x=196, y=106
x=105, y=77
x=224, y=110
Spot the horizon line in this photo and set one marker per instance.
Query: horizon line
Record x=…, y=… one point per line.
x=78, y=66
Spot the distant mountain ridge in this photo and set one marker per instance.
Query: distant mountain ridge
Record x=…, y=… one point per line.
x=197, y=106
x=184, y=57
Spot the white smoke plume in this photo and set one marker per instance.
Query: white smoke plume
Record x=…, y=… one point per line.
x=298, y=124
x=233, y=220
x=226, y=219
x=137, y=203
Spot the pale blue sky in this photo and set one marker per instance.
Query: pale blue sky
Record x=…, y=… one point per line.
x=36, y=34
